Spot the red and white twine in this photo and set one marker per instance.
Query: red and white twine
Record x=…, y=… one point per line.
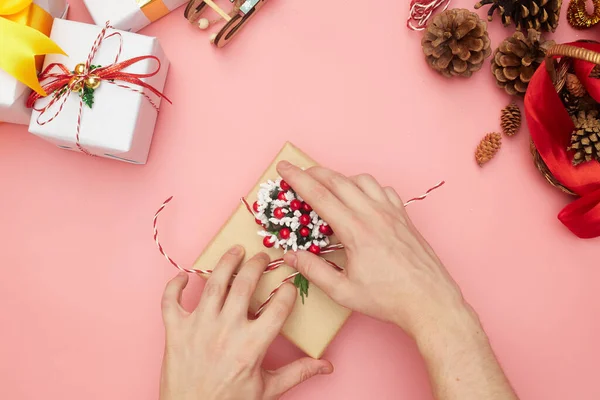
x=61, y=83
x=273, y=265
x=421, y=11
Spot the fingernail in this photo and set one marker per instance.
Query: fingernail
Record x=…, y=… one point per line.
x=284, y=165
x=291, y=259
x=263, y=256
x=325, y=370
x=235, y=250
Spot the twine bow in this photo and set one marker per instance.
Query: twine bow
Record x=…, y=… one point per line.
x=59, y=81
x=21, y=39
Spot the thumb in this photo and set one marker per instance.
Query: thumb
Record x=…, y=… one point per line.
x=285, y=378
x=317, y=271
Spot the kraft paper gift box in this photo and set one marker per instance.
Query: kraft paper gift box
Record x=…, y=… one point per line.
x=312, y=325
x=13, y=93
x=120, y=125
x=130, y=15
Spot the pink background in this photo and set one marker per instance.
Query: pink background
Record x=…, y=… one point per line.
x=345, y=81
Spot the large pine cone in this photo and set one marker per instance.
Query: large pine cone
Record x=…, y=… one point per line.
x=516, y=60
x=526, y=14
x=456, y=42
x=585, y=140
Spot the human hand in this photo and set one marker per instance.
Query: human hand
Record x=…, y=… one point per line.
x=216, y=352
x=392, y=273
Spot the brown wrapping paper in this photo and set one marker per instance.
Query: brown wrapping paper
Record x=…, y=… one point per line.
x=312, y=325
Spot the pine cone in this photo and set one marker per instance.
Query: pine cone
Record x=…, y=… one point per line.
x=456, y=42
x=576, y=104
x=516, y=60
x=510, y=119
x=585, y=140
x=541, y=15
x=488, y=147
x=574, y=86
x=595, y=72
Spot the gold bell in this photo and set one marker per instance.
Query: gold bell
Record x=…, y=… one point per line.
x=79, y=69
x=92, y=82
x=76, y=84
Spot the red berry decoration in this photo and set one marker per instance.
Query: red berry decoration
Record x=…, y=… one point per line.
x=306, y=207
x=314, y=249
x=326, y=230
x=295, y=205
x=287, y=229
x=304, y=219
x=278, y=213
x=284, y=233
x=284, y=186
x=267, y=242
x=287, y=220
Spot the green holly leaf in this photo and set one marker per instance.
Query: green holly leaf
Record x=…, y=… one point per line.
x=87, y=95
x=302, y=284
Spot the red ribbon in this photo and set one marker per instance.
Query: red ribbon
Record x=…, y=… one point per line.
x=551, y=126
x=57, y=80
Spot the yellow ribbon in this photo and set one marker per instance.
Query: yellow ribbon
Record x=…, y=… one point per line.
x=24, y=30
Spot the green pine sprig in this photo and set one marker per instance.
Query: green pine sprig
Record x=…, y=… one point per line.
x=302, y=284
x=87, y=96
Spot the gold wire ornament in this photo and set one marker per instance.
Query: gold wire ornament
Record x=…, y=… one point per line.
x=578, y=17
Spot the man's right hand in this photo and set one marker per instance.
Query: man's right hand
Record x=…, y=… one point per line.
x=392, y=273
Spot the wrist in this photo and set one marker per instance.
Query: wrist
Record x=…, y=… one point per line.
x=459, y=326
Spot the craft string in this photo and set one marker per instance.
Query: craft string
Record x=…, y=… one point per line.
x=421, y=11
x=273, y=265
x=60, y=81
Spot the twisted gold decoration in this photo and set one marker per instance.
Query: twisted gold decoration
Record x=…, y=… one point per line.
x=578, y=16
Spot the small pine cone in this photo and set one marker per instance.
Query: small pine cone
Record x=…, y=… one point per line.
x=510, y=119
x=595, y=72
x=574, y=86
x=488, y=147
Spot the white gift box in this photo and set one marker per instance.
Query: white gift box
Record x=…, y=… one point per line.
x=13, y=94
x=130, y=15
x=120, y=124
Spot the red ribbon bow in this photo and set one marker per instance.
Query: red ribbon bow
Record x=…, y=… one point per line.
x=551, y=126
x=58, y=81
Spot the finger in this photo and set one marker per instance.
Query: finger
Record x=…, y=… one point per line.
x=331, y=281
x=213, y=295
x=342, y=187
x=244, y=285
x=171, y=300
x=328, y=206
x=370, y=187
x=393, y=197
x=278, y=310
x=285, y=378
